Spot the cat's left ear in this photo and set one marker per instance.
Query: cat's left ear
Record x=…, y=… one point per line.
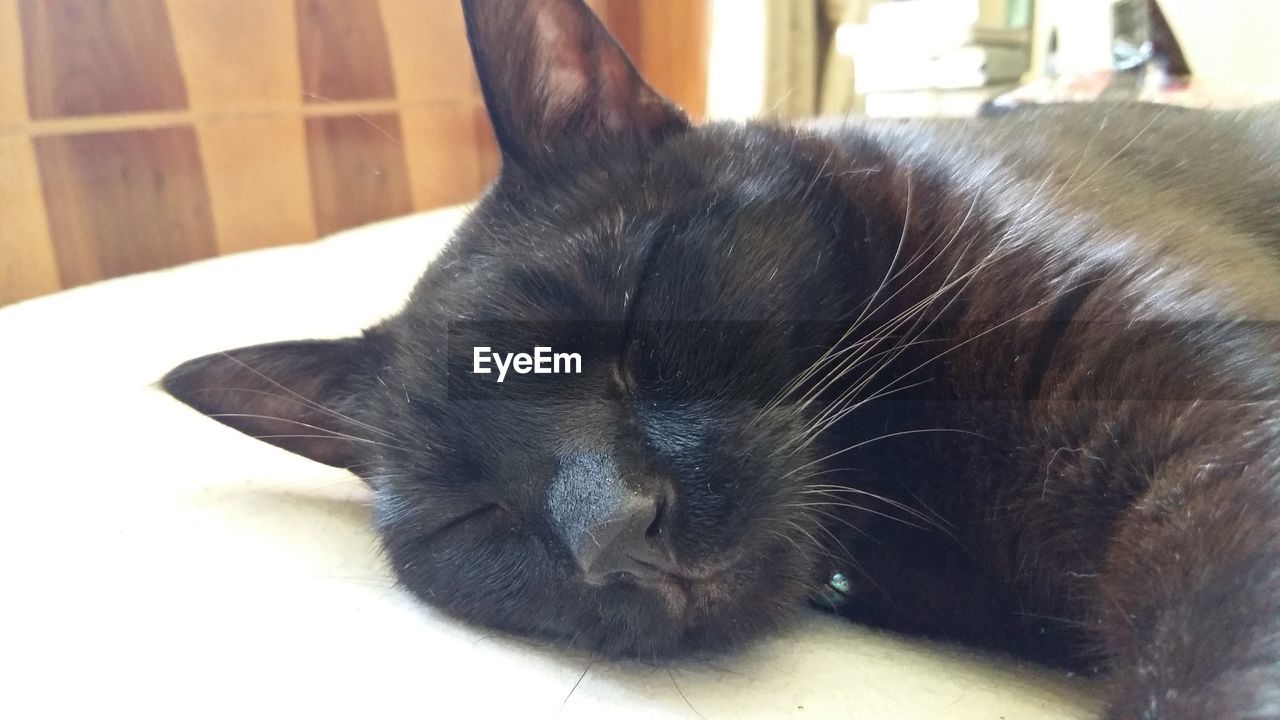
x=295, y=395
x=554, y=78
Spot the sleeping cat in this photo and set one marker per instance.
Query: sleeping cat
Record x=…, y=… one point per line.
x=1009, y=381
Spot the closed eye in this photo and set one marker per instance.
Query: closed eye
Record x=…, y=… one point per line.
x=464, y=519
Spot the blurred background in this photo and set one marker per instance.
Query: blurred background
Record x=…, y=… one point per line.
x=141, y=134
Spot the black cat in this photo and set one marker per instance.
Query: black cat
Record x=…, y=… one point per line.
x=1011, y=381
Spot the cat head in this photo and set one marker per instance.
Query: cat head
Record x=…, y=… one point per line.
x=652, y=501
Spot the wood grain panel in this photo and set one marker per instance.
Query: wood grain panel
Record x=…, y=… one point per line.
x=258, y=181
x=487, y=145
x=13, y=101
x=441, y=147
x=124, y=202
x=343, y=50
x=358, y=171
x=429, y=53
x=136, y=134
x=669, y=42
x=90, y=57
x=237, y=53
x=27, y=263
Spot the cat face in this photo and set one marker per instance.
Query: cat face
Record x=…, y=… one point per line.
x=652, y=501
x=647, y=504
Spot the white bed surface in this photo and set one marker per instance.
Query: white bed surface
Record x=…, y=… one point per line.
x=158, y=564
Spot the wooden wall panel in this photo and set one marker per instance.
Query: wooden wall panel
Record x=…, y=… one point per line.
x=441, y=146
x=429, y=53
x=27, y=263
x=124, y=202
x=358, y=170
x=91, y=57
x=237, y=53
x=490, y=155
x=137, y=134
x=13, y=100
x=258, y=181
x=343, y=50
x=669, y=42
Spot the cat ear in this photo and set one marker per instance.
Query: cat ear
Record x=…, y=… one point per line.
x=295, y=395
x=553, y=78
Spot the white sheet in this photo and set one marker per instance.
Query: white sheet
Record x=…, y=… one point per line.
x=157, y=564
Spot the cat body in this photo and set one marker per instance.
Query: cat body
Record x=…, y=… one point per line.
x=1010, y=381
x=1123, y=502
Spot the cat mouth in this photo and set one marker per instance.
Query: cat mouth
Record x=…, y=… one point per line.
x=710, y=604
x=678, y=590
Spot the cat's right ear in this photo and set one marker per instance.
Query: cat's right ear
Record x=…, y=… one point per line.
x=294, y=395
x=554, y=79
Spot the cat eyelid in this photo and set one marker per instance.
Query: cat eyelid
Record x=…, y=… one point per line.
x=457, y=521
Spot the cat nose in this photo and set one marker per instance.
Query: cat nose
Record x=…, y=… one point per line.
x=630, y=538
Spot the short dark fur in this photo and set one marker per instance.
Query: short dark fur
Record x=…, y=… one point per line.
x=1111, y=497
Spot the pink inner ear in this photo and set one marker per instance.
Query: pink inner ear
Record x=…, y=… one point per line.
x=573, y=52
x=554, y=78
x=617, y=91
x=565, y=80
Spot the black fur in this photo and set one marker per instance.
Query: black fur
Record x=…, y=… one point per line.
x=1080, y=463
